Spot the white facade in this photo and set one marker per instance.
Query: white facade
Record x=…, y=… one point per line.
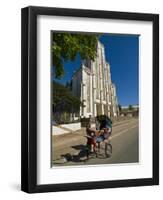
x=114, y=101
x=92, y=84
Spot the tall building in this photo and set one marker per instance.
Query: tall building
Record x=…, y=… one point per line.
x=92, y=84
x=114, y=101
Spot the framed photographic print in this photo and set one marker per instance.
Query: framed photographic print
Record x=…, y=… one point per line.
x=90, y=99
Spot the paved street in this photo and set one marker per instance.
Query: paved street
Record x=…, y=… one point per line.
x=67, y=149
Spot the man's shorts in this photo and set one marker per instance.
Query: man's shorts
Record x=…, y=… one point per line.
x=100, y=138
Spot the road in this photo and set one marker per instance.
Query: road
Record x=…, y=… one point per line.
x=68, y=149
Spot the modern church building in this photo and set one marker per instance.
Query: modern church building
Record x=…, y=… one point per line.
x=93, y=85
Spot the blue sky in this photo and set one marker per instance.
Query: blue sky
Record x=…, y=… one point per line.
x=121, y=51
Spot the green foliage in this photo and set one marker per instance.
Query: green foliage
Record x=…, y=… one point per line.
x=130, y=107
x=63, y=100
x=66, y=46
x=120, y=107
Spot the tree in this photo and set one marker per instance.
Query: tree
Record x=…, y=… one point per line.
x=130, y=107
x=66, y=46
x=67, y=85
x=63, y=100
x=120, y=107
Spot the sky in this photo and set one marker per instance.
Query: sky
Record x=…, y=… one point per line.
x=122, y=52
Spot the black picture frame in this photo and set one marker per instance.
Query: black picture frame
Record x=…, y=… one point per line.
x=29, y=99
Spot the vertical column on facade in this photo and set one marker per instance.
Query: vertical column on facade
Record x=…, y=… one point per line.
x=94, y=98
x=103, y=73
x=84, y=93
x=101, y=80
x=107, y=88
x=84, y=100
x=93, y=69
x=102, y=109
x=91, y=102
x=81, y=99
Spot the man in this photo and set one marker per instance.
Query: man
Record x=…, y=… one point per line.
x=106, y=122
x=105, y=130
x=98, y=136
x=104, y=134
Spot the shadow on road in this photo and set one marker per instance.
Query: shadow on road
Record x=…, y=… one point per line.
x=80, y=157
x=79, y=147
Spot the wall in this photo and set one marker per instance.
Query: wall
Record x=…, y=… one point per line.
x=10, y=78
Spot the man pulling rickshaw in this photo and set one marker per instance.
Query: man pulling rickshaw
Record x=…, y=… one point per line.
x=99, y=135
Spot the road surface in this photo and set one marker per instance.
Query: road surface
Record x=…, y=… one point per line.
x=68, y=149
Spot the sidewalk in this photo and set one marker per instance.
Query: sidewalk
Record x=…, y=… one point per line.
x=65, y=128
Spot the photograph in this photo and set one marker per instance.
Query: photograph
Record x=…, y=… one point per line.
x=90, y=99
x=94, y=98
